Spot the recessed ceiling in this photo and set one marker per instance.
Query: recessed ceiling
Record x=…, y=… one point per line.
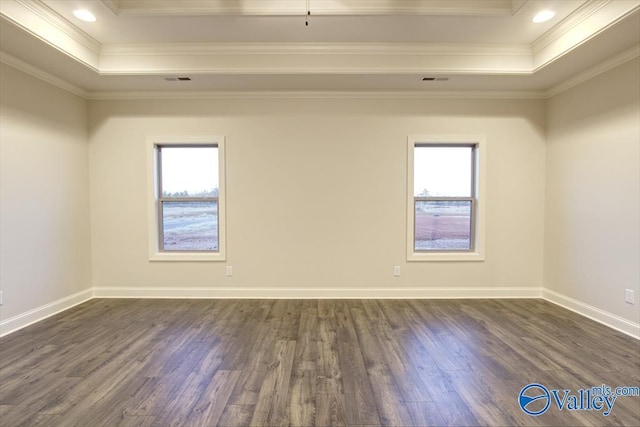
x=349, y=45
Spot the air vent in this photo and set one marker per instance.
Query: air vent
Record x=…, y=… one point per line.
x=178, y=79
x=435, y=79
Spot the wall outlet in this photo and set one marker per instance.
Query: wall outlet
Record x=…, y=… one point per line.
x=1, y=298
x=396, y=271
x=629, y=296
x=229, y=271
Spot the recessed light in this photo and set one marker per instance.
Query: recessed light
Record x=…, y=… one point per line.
x=543, y=16
x=84, y=15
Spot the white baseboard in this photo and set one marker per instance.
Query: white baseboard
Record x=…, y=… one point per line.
x=22, y=320
x=315, y=293
x=611, y=320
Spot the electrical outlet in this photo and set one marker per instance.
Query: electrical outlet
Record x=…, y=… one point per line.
x=1, y=298
x=629, y=296
x=229, y=271
x=396, y=271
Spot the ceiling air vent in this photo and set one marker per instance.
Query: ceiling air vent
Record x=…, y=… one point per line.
x=178, y=79
x=435, y=79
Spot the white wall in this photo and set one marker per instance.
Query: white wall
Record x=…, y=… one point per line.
x=592, y=247
x=44, y=194
x=316, y=191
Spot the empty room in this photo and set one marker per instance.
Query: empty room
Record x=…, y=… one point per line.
x=319, y=212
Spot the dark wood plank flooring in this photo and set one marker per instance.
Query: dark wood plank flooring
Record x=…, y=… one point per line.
x=309, y=362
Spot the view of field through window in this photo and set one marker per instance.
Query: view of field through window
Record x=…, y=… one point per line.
x=189, y=183
x=442, y=172
x=443, y=225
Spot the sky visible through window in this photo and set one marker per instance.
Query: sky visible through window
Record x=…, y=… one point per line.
x=442, y=171
x=190, y=169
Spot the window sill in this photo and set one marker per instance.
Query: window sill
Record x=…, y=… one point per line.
x=446, y=256
x=187, y=257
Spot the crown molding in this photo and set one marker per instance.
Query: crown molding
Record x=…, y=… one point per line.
x=589, y=21
x=595, y=71
x=318, y=7
x=38, y=73
x=611, y=63
x=570, y=22
x=316, y=95
x=56, y=22
x=41, y=22
x=314, y=58
x=150, y=49
x=592, y=19
x=518, y=5
x=112, y=5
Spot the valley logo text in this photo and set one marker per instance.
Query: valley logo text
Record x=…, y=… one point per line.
x=535, y=399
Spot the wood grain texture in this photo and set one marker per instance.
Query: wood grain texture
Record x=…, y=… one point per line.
x=309, y=362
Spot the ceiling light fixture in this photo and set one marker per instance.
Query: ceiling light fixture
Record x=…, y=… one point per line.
x=543, y=16
x=84, y=15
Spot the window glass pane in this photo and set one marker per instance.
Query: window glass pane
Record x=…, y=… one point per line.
x=442, y=171
x=190, y=226
x=442, y=225
x=189, y=171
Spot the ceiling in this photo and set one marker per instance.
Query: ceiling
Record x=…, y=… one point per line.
x=136, y=48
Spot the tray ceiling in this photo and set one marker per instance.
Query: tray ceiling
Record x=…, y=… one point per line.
x=372, y=46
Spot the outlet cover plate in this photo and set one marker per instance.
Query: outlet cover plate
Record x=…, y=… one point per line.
x=629, y=296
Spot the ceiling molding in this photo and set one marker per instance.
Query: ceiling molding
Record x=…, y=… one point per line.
x=592, y=19
x=318, y=7
x=55, y=21
x=38, y=73
x=316, y=95
x=42, y=23
x=152, y=49
x=112, y=5
x=589, y=21
x=518, y=5
x=306, y=58
x=570, y=22
x=613, y=62
x=603, y=67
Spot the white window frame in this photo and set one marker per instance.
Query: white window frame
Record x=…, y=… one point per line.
x=478, y=221
x=153, y=215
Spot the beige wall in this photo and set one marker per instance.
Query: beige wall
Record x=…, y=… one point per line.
x=44, y=194
x=592, y=248
x=316, y=191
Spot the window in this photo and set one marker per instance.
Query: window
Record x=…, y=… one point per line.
x=443, y=211
x=187, y=203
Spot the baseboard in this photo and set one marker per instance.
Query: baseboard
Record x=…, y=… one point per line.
x=22, y=320
x=315, y=293
x=611, y=320
x=40, y=313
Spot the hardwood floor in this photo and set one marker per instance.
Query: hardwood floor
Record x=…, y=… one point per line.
x=310, y=362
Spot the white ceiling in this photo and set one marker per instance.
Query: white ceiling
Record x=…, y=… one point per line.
x=364, y=46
